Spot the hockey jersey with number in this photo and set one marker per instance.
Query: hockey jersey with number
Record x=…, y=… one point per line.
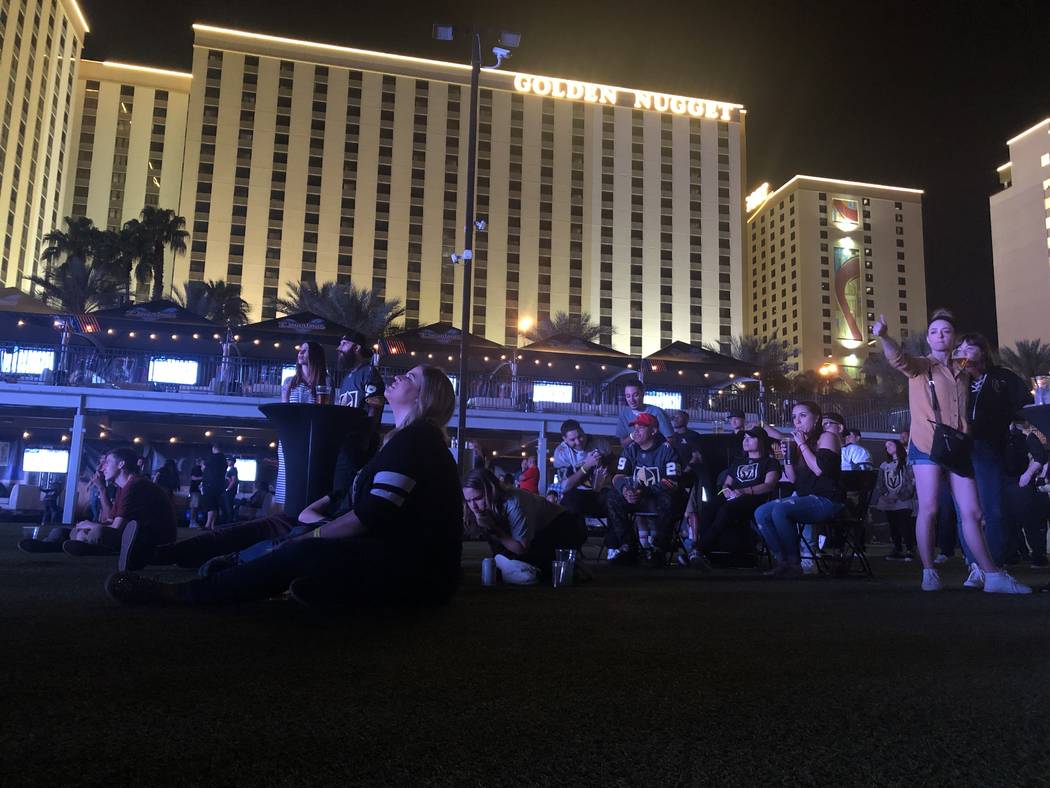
x=649, y=467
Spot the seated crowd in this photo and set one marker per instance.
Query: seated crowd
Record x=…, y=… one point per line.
x=396, y=534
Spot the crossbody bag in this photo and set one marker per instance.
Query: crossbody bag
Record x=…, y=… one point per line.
x=952, y=449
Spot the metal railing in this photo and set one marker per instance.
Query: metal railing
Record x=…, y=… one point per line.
x=249, y=377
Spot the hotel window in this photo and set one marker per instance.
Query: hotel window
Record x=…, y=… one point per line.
x=605, y=259
x=121, y=144
x=348, y=203
x=380, y=243
x=315, y=174
x=415, y=226
x=576, y=212
x=275, y=233
x=481, y=205
x=449, y=225
x=205, y=167
x=156, y=148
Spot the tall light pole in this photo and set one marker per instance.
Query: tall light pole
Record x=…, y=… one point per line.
x=507, y=40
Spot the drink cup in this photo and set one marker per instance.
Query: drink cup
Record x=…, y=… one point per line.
x=488, y=572
x=30, y=532
x=324, y=395
x=1041, y=387
x=788, y=446
x=561, y=573
x=565, y=555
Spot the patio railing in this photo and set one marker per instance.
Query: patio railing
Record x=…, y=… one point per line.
x=249, y=377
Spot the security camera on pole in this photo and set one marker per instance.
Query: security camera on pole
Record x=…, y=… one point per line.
x=507, y=41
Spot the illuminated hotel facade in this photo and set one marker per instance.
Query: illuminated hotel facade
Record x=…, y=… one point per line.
x=40, y=45
x=826, y=258
x=310, y=161
x=128, y=137
x=1020, y=215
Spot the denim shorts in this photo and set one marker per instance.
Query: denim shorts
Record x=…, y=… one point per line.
x=917, y=456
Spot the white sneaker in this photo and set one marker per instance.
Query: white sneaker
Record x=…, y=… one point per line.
x=976, y=578
x=931, y=580
x=1002, y=583
x=517, y=573
x=611, y=553
x=940, y=559
x=809, y=567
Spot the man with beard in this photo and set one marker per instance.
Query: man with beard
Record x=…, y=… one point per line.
x=361, y=387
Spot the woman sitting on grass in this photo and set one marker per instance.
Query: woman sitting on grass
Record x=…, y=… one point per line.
x=400, y=542
x=815, y=470
x=523, y=529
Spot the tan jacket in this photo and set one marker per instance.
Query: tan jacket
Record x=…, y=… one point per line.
x=952, y=391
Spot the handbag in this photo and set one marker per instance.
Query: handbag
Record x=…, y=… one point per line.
x=952, y=449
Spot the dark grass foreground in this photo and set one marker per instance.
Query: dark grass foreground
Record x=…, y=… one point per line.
x=640, y=678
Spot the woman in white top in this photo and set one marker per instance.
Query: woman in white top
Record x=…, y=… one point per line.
x=311, y=371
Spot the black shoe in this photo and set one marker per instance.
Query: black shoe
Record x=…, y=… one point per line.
x=39, y=546
x=219, y=563
x=131, y=589
x=897, y=555
x=135, y=552
x=1039, y=562
x=80, y=549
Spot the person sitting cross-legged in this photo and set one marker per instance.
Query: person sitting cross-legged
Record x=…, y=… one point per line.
x=648, y=478
x=102, y=494
x=401, y=542
x=748, y=483
x=523, y=530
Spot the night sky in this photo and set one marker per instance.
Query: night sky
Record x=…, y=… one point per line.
x=919, y=94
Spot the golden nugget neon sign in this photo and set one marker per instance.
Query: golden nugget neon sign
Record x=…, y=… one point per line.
x=605, y=94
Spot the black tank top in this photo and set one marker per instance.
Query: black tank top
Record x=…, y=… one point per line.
x=828, y=483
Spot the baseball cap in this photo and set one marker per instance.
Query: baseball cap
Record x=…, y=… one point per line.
x=737, y=414
x=645, y=420
x=835, y=417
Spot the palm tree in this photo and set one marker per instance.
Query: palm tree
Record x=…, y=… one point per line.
x=214, y=300
x=1028, y=358
x=145, y=240
x=885, y=381
x=768, y=356
x=78, y=285
x=356, y=308
x=76, y=243
x=580, y=325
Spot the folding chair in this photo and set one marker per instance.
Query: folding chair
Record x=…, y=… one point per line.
x=846, y=530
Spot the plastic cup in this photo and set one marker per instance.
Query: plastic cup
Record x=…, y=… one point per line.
x=1041, y=386
x=324, y=395
x=561, y=573
x=565, y=555
x=30, y=531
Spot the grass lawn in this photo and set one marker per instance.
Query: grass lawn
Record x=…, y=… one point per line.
x=639, y=678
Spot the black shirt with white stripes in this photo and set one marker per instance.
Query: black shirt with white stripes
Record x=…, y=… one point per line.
x=409, y=497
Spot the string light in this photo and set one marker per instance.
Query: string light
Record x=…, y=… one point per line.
x=240, y=438
x=273, y=444
x=152, y=336
x=207, y=433
x=196, y=336
x=172, y=439
x=131, y=334
x=136, y=439
x=21, y=322
x=174, y=336
x=65, y=438
x=25, y=435
x=102, y=435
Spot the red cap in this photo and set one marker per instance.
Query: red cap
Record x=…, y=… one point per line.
x=645, y=419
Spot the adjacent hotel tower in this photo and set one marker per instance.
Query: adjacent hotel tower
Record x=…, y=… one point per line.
x=40, y=43
x=307, y=161
x=827, y=257
x=1021, y=238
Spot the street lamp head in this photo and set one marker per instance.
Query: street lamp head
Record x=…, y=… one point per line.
x=510, y=39
x=443, y=32
x=525, y=324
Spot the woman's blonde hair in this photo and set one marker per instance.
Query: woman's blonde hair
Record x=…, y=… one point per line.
x=437, y=400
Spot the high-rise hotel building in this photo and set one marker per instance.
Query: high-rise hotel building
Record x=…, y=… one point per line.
x=827, y=257
x=128, y=137
x=1020, y=216
x=40, y=44
x=308, y=161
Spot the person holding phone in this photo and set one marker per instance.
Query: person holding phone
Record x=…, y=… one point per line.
x=935, y=371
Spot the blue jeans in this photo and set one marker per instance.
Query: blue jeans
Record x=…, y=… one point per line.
x=778, y=522
x=991, y=488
